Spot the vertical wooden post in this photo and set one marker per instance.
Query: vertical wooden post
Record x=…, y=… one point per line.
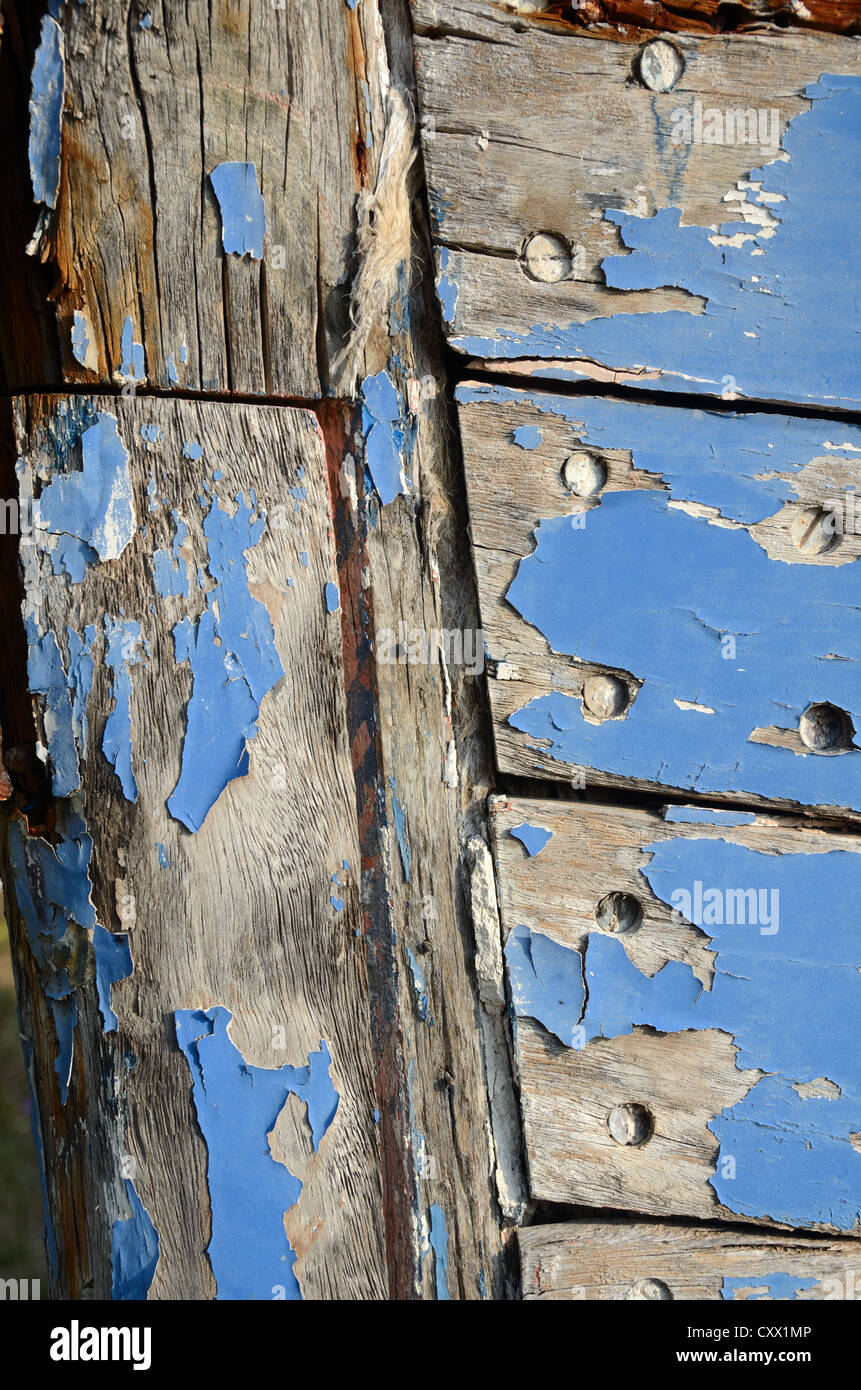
x=236, y=853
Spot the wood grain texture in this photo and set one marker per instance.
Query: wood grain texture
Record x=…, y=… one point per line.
x=611, y=1260
x=630, y=19
x=149, y=111
x=750, y=483
x=242, y=914
x=714, y=1145
x=527, y=131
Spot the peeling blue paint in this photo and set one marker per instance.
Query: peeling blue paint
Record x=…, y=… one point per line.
x=243, y=217
x=419, y=986
x=385, y=436
x=234, y=663
x=122, y=651
x=546, y=982
x=162, y=856
x=788, y=994
x=132, y=367
x=192, y=450
x=704, y=815
x=47, y=677
x=134, y=1251
x=446, y=287
x=237, y=1106
x=439, y=1245
x=52, y=892
x=532, y=837
x=333, y=597
x=113, y=963
x=399, y=815
x=744, y=465
x=80, y=337
x=150, y=434
x=527, y=436
x=46, y=113
x=170, y=571
x=649, y=589
x=94, y=503
x=776, y=1286
x=756, y=294
x=80, y=682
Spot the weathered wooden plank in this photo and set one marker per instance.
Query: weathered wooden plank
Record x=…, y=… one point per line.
x=592, y=223
x=683, y=991
x=181, y=602
x=669, y=596
x=155, y=276
x=601, y=1260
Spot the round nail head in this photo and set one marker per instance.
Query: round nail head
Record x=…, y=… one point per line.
x=547, y=257
x=583, y=474
x=813, y=531
x=605, y=696
x=825, y=728
x=630, y=1124
x=619, y=913
x=660, y=66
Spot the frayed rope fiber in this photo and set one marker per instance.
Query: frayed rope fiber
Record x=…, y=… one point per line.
x=383, y=241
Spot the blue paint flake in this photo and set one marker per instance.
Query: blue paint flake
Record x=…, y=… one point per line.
x=47, y=677
x=704, y=815
x=192, y=450
x=243, y=217
x=132, y=367
x=446, y=287
x=773, y=1286
x=545, y=983
x=46, y=113
x=527, y=436
x=337, y=903
x=134, y=1251
x=96, y=503
x=752, y=292
x=81, y=331
x=419, y=986
x=113, y=963
x=333, y=597
x=439, y=1245
x=162, y=856
x=385, y=436
x=234, y=662
x=170, y=571
x=237, y=1108
x=401, y=831
x=532, y=837
x=122, y=651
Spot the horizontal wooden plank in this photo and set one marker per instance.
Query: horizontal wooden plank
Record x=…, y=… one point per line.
x=684, y=990
x=668, y=596
x=605, y=1260
x=681, y=228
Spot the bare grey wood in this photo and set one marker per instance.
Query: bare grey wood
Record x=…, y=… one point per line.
x=242, y=914
x=683, y=1079
x=623, y=1259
